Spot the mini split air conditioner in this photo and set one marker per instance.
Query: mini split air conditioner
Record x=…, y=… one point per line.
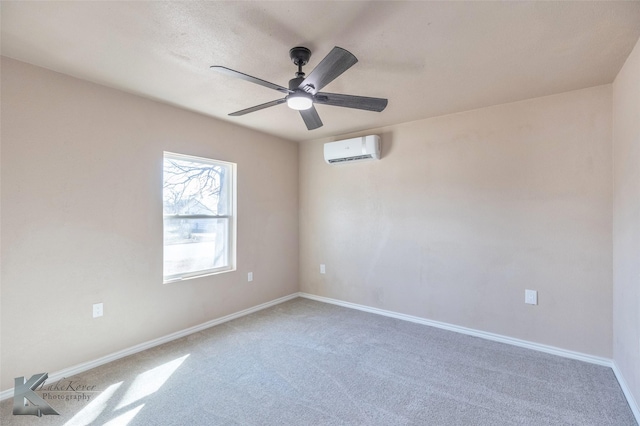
x=356, y=149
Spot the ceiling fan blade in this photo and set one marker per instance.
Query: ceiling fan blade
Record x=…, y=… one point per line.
x=258, y=107
x=350, y=101
x=311, y=118
x=246, y=77
x=334, y=64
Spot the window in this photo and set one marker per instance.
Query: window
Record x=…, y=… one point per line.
x=199, y=216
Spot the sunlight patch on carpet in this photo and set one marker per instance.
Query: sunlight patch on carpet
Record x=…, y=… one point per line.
x=91, y=412
x=149, y=382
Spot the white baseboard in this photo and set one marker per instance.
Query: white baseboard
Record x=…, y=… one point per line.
x=627, y=392
x=80, y=368
x=469, y=331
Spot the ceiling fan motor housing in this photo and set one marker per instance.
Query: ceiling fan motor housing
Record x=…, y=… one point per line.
x=295, y=82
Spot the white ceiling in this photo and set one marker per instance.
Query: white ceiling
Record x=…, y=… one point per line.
x=427, y=58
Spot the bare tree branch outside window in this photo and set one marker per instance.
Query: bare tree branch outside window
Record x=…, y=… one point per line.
x=190, y=186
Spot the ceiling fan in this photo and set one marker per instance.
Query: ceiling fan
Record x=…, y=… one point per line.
x=303, y=91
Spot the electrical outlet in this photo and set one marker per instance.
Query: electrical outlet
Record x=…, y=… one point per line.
x=98, y=310
x=531, y=297
x=322, y=268
x=250, y=276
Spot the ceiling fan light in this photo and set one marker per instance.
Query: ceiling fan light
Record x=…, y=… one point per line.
x=299, y=101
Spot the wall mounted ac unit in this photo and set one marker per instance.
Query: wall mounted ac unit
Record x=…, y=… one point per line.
x=356, y=149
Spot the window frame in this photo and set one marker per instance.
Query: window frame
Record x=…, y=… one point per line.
x=231, y=218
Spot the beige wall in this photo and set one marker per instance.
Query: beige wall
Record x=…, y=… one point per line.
x=626, y=222
x=464, y=212
x=82, y=220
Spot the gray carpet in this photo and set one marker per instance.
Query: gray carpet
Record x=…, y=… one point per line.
x=310, y=363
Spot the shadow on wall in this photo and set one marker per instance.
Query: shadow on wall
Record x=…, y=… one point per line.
x=386, y=140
